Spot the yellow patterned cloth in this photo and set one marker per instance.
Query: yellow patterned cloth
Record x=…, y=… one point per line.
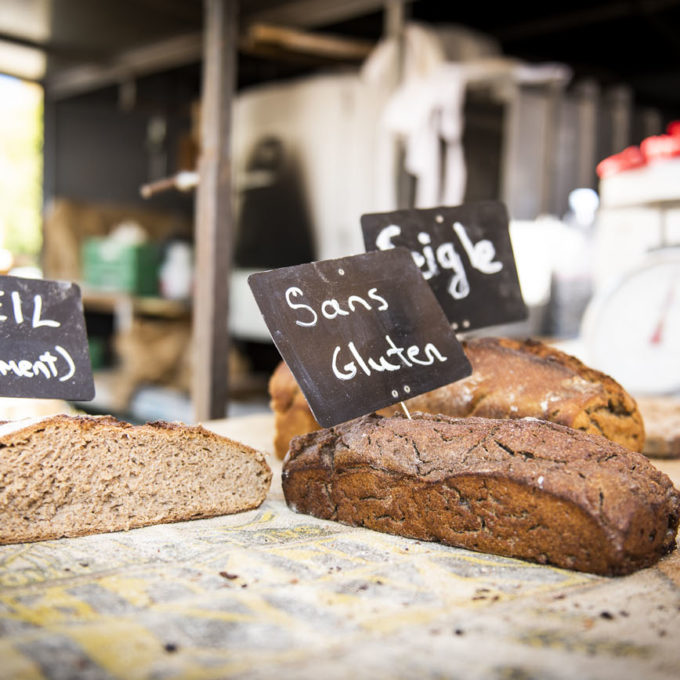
x=274, y=594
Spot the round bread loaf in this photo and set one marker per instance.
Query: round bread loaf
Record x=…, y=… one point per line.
x=74, y=475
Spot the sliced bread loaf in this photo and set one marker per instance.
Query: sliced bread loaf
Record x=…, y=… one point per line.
x=73, y=475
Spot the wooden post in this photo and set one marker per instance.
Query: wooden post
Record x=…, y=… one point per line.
x=588, y=93
x=214, y=220
x=553, y=107
x=394, y=23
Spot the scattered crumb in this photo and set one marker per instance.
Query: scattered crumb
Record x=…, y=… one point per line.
x=226, y=574
x=84, y=564
x=363, y=586
x=606, y=615
x=170, y=647
x=623, y=613
x=293, y=581
x=244, y=585
x=459, y=631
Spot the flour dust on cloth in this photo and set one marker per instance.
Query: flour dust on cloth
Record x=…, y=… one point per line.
x=426, y=109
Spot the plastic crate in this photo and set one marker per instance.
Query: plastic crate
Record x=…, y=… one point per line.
x=120, y=267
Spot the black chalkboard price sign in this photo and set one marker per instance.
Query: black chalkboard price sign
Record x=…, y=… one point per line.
x=359, y=333
x=463, y=252
x=43, y=344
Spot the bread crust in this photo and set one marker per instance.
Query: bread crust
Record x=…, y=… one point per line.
x=292, y=415
x=75, y=475
x=510, y=379
x=520, y=488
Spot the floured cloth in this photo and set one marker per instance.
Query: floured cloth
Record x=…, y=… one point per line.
x=270, y=593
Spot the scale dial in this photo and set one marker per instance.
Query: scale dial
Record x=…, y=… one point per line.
x=632, y=331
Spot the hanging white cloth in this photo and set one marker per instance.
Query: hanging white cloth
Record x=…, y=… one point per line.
x=426, y=109
x=427, y=113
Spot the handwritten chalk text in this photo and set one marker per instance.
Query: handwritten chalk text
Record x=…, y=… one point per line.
x=47, y=366
x=332, y=308
x=445, y=257
x=407, y=356
x=17, y=311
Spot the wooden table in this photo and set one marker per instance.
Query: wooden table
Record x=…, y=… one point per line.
x=273, y=594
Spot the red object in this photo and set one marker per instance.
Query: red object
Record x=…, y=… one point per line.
x=629, y=158
x=673, y=128
x=661, y=147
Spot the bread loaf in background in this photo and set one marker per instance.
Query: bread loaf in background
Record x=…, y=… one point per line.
x=662, y=426
x=73, y=475
x=510, y=379
x=521, y=488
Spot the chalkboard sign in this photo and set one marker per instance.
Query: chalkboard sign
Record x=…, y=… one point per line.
x=359, y=333
x=465, y=255
x=43, y=344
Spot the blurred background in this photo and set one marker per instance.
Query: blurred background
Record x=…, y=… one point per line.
x=565, y=111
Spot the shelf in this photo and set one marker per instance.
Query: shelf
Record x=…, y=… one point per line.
x=160, y=402
x=126, y=306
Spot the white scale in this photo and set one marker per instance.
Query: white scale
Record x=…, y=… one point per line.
x=632, y=330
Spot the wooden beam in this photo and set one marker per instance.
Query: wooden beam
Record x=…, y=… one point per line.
x=308, y=13
x=92, y=71
x=151, y=58
x=214, y=218
x=261, y=37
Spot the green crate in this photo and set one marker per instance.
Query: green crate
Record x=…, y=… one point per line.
x=97, y=349
x=121, y=267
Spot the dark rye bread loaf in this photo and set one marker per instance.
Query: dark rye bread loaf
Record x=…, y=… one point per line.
x=73, y=475
x=510, y=379
x=521, y=488
x=529, y=379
